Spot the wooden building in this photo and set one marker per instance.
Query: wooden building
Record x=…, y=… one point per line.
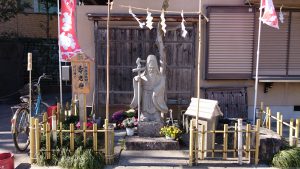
x=229, y=42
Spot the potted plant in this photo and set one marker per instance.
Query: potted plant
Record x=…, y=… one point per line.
x=129, y=124
x=170, y=132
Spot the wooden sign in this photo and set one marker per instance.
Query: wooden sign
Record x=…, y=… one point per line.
x=80, y=74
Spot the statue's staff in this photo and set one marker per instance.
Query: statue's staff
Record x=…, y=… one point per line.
x=139, y=69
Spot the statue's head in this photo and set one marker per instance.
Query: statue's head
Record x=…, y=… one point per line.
x=152, y=66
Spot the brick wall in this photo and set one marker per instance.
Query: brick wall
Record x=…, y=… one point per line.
x=30, y=26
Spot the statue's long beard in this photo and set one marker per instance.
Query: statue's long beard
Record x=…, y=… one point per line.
x=152, y=74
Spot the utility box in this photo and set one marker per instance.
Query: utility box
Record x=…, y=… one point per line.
x=65, y=73
x=209, y=111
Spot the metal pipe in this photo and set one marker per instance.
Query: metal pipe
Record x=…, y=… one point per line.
x=59, y=54
x=257, y=61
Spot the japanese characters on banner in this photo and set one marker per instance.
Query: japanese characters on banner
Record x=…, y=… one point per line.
x=149, y=22
x=269, y=17
x=67, y=39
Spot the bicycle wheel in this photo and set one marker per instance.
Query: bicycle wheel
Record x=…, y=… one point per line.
x=21, y=134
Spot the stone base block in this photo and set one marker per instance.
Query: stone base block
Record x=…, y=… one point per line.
x=149, y=129
x=148, y=143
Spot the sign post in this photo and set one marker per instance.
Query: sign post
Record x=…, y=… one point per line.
x=81, y=82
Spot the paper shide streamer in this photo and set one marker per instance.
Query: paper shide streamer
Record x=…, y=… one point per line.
x=183, y=30
x=163, y=22
x=141, y=24
x=149, y=20
x=281, y=16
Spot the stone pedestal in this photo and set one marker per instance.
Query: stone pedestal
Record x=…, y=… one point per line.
x=148, y=143
x=149, y=129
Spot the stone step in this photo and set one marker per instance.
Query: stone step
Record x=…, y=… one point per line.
x=150, y=143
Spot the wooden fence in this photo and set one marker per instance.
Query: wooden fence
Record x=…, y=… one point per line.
x=194, y=138
x=293, y=125
x=38, y=129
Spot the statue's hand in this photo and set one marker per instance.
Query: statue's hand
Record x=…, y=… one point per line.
x=137, y=78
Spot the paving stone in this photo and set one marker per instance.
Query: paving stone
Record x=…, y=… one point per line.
x=150, y=143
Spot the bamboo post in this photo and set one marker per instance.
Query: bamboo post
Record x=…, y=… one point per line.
x=32, y=142
x=37, y=139
x=48, y=142
x=75, y=106
x=58, y=113
x=72, y=107
x=60, y=134
x=235, y=140
x=54, y=132
x=84, y=134
x=196, y=141
x=248, y=128
x=111, y=146
x=84, y=108
x=202, y=142
x=261, y=112
x=72, y=137
x=297, y=131
x=270, y=120
x=191, y=147
x=95, y=140
x=106, y=141
x=198, y=79
x=257, y=141
x=107, y=64
x=240, y=141
x=213, y=143
x=225, y=142
x=281, y=125
x=278, y=123
x=291, y=142
x=45, y=119
x=267, y=117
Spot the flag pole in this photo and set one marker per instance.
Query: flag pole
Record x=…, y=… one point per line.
x=257, y=63
x=59, y=54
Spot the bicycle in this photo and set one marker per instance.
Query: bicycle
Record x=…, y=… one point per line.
x=21, y=118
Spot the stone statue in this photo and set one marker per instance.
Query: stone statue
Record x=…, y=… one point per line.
x=149, y=90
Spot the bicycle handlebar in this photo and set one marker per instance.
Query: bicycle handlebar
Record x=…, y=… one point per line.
x=44, y=76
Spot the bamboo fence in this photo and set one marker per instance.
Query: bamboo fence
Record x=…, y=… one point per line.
x=293, y=125
x=38, y=129
x=248, y=148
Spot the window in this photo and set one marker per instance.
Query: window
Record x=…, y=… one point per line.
x=279, y=50
x=230, y=34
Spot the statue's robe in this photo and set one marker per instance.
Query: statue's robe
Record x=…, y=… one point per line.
x=152, y=95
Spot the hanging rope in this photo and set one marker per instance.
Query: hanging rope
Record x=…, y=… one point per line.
x=166, y=11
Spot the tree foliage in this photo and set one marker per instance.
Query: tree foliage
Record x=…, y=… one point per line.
x=8, y=9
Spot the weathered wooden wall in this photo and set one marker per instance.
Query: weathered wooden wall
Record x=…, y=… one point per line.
x=232, y=101
x=126, y=45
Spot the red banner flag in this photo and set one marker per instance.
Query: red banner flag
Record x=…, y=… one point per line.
x=67, y=39
x=269, y=17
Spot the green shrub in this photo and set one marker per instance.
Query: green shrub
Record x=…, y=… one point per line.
x=287, y=158
x=53, y=161
x=81, y=159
